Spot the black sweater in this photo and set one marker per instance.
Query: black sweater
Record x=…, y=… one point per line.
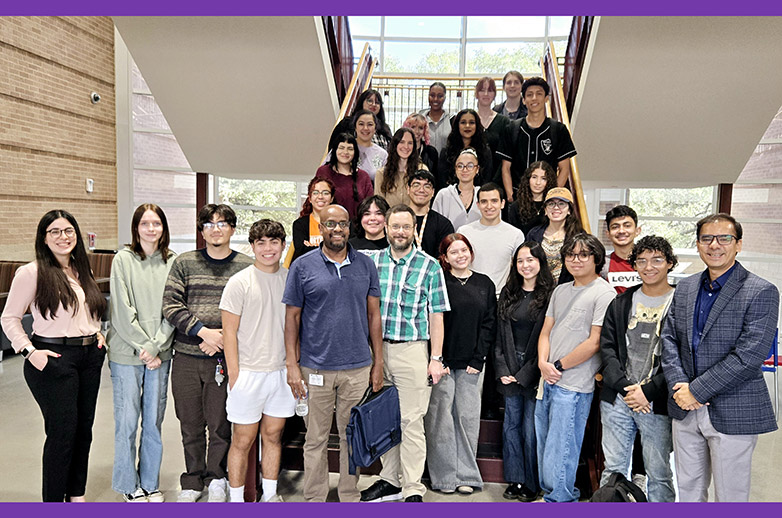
x=470, y=325
x=613, y=349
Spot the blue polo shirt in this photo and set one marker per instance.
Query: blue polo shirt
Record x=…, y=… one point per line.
x=334, y=332
x=707, y=294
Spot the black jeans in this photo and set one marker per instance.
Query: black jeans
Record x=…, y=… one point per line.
x=66, y=390
x=199, y=403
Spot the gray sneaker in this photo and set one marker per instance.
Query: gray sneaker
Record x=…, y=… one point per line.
x=189, y=495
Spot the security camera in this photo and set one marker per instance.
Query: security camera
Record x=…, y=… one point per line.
x=95, y=97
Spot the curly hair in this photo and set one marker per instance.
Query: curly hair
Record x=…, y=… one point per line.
x=420, y=118
x=391, y=170
x=524, y=192
x=455, y=143
x=654, y=244
x=306, y=207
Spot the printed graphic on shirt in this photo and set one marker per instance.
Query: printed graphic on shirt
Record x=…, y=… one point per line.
x=644, y=346
x=546, y=145
x=623, y=279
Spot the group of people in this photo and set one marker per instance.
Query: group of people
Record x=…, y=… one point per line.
x=404, y=272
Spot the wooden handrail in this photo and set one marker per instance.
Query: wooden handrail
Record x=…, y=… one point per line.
x=352, y=92
x=551, y=74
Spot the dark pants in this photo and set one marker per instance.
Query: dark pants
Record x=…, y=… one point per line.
x=200, y=404
x=66, y=391
x=519, y=445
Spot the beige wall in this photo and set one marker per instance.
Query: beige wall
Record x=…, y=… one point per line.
x=52, y=138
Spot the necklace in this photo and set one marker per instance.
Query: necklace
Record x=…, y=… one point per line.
x=463, y=280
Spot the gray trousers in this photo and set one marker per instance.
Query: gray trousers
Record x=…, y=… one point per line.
x=700, y=451
x=452, y=424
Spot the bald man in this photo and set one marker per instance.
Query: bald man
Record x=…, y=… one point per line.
x=332, y=299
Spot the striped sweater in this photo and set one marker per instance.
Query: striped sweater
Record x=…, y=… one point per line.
x=191, y=299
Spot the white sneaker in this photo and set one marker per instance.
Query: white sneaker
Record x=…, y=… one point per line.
x=276, y=498
x=136, y=496
x=155, y=496
x=217, y=491
x=189, y=495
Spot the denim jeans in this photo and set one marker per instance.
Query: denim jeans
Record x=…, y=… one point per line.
x=452, y=425
x=560, y=420
x=619, y=427
x=138, y=392
x=519, y=446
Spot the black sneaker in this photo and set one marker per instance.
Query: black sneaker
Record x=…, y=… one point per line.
x=381, y=491
x=414, y=498
x=527, y=495
x=513, y=491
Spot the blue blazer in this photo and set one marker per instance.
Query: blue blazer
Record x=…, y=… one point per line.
x=736, y=340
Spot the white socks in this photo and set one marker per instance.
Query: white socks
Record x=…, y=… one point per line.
x=269, y=488
x=236, y=493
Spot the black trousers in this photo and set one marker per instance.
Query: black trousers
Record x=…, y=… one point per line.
x=66, y=390
x=199, y=403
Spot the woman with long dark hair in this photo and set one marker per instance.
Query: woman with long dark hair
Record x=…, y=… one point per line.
x=526, y=212
x=371, y=157
x=351, y=184
x=427, y=153
x=561, y=224
x=403, y=160
x=306, y=232
x=466, y=131
x=139, y=346
x=453, y=419
x=521, y=311
x=370, y=224
x=65, y=355
x=370, y=100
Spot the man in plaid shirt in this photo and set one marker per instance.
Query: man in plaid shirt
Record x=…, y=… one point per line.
x=412, y=302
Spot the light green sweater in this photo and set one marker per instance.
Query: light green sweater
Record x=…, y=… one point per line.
x=136, y=299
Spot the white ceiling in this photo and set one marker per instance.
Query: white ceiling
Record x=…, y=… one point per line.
x=675, y=101
x=246, y=97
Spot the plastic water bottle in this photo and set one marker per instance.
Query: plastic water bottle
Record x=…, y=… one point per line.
x=302, y=403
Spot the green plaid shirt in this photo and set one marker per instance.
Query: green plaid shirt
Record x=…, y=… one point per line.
x=410, y=289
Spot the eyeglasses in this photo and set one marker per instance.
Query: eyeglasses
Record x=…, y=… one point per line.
x=372, y=101
x=222, y=225
x=406, y=228
x=655, y=261
x=331, y=225
x=723, y=239
x=151, y=224
x=418, y=185
x=468, y=167
x=556, y=204
x=57, y=232
x=315, y=194
x=581, y=256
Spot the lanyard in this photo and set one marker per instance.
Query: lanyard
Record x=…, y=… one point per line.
x=419, y=235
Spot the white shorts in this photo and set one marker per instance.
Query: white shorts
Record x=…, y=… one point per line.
x=259, y=393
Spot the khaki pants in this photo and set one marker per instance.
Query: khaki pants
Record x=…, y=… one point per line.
x=343, y=389
x=405, y=365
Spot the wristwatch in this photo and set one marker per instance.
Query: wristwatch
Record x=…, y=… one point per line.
x=27, y=351
x=436, y=358
x=558, y=366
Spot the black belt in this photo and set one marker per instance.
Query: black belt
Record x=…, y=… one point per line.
x=398, y=341
x=76, y=340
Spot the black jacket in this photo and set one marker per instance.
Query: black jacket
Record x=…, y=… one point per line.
x=613, y=349
x=506, y=364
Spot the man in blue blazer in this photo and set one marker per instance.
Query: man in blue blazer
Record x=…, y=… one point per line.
x=719, y=330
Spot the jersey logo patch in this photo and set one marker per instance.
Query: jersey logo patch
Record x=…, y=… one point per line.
x=546, y=146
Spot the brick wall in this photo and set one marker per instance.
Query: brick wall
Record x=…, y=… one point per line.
x=52, y=138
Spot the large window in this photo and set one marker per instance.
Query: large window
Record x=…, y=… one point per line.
x=454, y=45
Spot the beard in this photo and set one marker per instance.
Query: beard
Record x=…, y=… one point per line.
x=335, y=247
x=401, y=245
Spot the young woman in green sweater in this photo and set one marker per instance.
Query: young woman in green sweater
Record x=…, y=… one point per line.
x=140, y=354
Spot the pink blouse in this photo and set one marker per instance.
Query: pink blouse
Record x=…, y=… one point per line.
x=62, y=323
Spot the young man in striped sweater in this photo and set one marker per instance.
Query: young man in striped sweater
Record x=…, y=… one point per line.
x=199, y=376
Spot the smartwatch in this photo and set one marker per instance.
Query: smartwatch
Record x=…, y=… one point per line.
x=436, y=358
x=558, y=366
x=27, y=351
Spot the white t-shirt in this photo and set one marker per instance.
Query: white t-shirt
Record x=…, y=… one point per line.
x=257, y=298
x=493, y=248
